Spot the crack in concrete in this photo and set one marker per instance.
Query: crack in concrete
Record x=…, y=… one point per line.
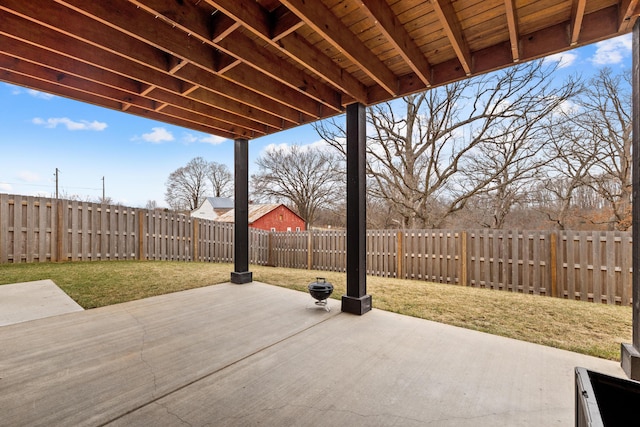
x=141, y=352
x=171, y=413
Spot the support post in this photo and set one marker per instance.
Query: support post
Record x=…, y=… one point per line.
x=630, y=359
x=241, y=210
x=356, y=300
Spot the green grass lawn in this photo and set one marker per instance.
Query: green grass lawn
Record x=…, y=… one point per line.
x=588, y=328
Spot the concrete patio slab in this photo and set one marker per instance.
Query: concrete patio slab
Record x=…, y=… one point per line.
x=21, y=302
x=256, y=354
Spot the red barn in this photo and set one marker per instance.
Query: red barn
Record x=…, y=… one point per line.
x=269, y=217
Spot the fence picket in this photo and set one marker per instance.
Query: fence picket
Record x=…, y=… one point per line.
x=592, y=265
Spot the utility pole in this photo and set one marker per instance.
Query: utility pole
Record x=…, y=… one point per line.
x=57, y=172
x=103, y=189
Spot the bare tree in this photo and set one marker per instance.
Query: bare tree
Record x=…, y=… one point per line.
x=304, y=177
x=572, y=153
x=151, y=205
x=428, y=153
x=221, y=180
x=605, y=115
x=187, y=185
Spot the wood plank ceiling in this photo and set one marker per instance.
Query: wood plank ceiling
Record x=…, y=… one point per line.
x=244, y=69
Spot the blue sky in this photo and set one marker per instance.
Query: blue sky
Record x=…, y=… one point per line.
x=40, y=133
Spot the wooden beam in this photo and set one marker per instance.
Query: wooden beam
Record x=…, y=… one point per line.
x=262, y=60
x=451, y=26
x=629, y=10
x=239, y=46
x=317, y=16
x=257, y=20
x=90, y=98
x=577, y=15
x=70, y=65
x=285, y=23
x=514, y=32
x=397, y=35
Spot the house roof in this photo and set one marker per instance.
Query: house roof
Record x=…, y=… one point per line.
x=219, y=202
x=248, y=68
x=256, y=211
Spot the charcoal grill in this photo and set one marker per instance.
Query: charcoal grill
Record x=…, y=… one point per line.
x=321, y=290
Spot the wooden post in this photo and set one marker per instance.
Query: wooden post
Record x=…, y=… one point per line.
x=270, y=250
x=553, y=263
x=400, y=255
x=309, y=250
x=140, y=240
x=464, y=280
x=630, y=359
x=195, y=239
x=59, y=230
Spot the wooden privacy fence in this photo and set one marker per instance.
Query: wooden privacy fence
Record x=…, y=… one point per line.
x=34, y=229
x=583, y=265
x=589, y=266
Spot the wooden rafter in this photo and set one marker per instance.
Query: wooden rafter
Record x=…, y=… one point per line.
x=139, y=24
x=317, y=16
x=245, y=68
x=381, y=13
x=514, y=32
x=451, y=25
x=577, y=15
x=629, y=10
x=256, y=20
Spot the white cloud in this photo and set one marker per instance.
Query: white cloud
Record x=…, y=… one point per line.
x=70, y=124
x=317, y=145
x=28, y=176
x=212, y=139
x=17, y=90
x=612, y=51
x=189, y=138
x=40, y=95
x=277, y=147
x=158, y=135
x=564, y=59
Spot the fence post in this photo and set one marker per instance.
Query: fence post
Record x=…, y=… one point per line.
x=463, y=259
x=195, y=239
x=270, y=250
x=309, y=249
x=553, y=254
x=140, y=240
x=59, y=229
x=399, y=255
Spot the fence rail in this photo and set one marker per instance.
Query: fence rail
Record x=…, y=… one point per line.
x=588, y=266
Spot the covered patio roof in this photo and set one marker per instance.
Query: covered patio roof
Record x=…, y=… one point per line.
x=245, y=69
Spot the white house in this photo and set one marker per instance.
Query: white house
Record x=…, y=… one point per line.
x=213, y=207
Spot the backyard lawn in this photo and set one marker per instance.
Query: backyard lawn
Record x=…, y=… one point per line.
x=588, y=328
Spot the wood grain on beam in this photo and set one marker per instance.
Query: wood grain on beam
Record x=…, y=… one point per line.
x=317, y=16
x=629, y=10
x=577, y=15
x=395, y=33
x=90, y=98
x=253, y=17
x=72, y=55
x=187, y=20
x=451, y=26
x=514, y=33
